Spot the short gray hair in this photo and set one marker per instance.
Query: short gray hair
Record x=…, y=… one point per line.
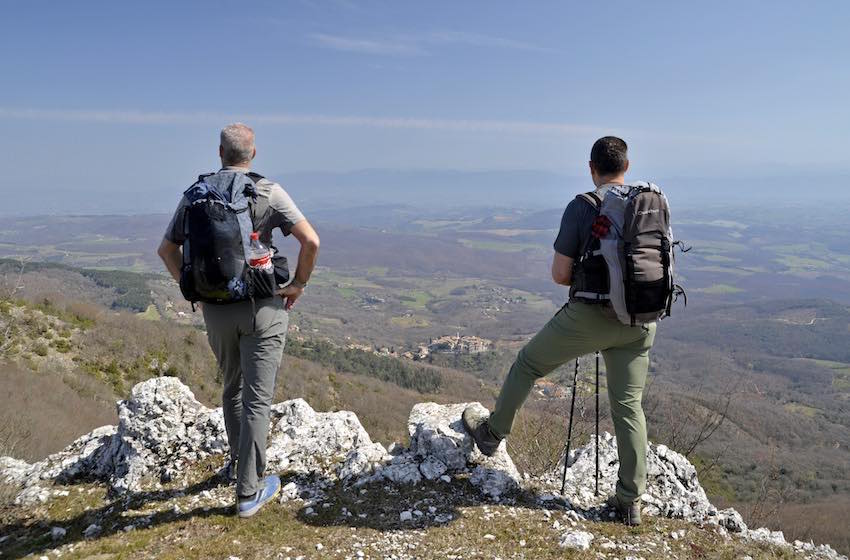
x=237, y=144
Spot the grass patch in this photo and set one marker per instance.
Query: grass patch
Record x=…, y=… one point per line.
x=347, y=293
x=721, y=259
x=804, y=263
x=724, y=270
x=840, y=373
x=150, y=314
x=417, y=299
x=802, y=409
x=409, y=322
x=377, y=270
x=719, y=289
x=714, y=247
x=500, y=246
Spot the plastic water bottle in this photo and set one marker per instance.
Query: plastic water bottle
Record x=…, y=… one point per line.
x=258, y=255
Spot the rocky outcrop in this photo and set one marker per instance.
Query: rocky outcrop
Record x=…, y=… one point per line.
x=673, y=488
x=440, y=447
x=163, y=429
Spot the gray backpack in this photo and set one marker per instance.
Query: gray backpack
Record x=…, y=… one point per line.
x=632, y=241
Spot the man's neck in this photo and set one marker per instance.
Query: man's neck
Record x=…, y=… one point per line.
x=241, y=166
x=618, y=180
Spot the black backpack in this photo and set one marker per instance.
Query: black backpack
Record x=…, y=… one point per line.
x=628, y=259
x=217, y=224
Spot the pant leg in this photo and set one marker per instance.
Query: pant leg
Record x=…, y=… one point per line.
x=223, y=336
x=626, y=366
x=574, y=331
x=261, y=353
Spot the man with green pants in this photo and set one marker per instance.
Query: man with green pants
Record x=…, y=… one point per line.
x=581, y=327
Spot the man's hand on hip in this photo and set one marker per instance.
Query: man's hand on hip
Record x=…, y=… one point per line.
x=290, y=293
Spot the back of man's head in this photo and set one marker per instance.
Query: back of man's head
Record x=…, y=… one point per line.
x=609, y=156
x=237, y=144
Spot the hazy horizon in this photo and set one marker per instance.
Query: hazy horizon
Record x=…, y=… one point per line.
x=717, y=94
x=446, y=189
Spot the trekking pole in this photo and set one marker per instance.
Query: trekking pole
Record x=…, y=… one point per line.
x=597, y=422
x=570, y=429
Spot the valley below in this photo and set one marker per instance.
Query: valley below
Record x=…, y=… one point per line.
x=750, y=381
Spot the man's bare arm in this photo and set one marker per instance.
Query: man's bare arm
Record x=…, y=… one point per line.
x=309, y=240
x=172, y=255
x=562, y=269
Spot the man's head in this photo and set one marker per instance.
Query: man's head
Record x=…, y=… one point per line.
x=237, y=145
x=609, y=160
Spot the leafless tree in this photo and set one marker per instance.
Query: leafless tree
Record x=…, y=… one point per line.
x=772, y=492
x=12, y=444
x=12, y=283
x=540, y=431
x=685, y=422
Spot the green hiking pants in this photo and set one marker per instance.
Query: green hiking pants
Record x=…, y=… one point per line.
x=247, y=341
x=579, y=329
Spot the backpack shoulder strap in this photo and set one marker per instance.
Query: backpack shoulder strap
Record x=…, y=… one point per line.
x=591, y=198
x=259, y=205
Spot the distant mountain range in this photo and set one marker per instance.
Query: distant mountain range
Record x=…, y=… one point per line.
x=428, y=188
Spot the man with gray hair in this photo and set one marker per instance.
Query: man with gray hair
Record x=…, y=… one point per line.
x=247, y=334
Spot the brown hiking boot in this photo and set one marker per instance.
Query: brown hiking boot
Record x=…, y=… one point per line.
x=475, y=423
x=627, y=513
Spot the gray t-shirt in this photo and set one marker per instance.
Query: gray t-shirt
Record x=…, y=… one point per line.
x=575, y=228
x=576, y=224
x=282, y=213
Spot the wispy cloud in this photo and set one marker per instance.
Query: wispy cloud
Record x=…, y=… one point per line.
x=478, y=40
x=419, y=44
x=284, y=119
x=366, y=46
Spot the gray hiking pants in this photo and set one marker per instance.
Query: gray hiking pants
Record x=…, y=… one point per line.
x=249, y=354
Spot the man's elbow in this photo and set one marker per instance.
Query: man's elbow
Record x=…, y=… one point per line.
x=166, y=249
x=312, y=243
x=562, y=279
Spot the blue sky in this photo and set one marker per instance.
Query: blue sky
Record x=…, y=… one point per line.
x=97, y=94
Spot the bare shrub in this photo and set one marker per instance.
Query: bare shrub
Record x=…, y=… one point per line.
x=10, y=285
x=13, y=442
x=686, y=422
x=774, y=489
x=539, y=434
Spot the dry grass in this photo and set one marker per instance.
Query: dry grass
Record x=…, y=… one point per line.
x=477, y=529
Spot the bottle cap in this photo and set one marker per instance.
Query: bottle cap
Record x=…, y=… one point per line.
x=255, y=235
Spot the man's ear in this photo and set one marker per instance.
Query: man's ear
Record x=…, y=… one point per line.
x=220, y=150
x=626, y=168
x=254, y=154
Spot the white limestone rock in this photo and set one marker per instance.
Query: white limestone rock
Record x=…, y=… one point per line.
x=432, y=468
x=764, y=535
x=403, y=469
x=578, y=540
x=673, y=489
x=162, y=428
x=438, y=439
x=363, y=460
x=731, y=520
x=332, y=444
